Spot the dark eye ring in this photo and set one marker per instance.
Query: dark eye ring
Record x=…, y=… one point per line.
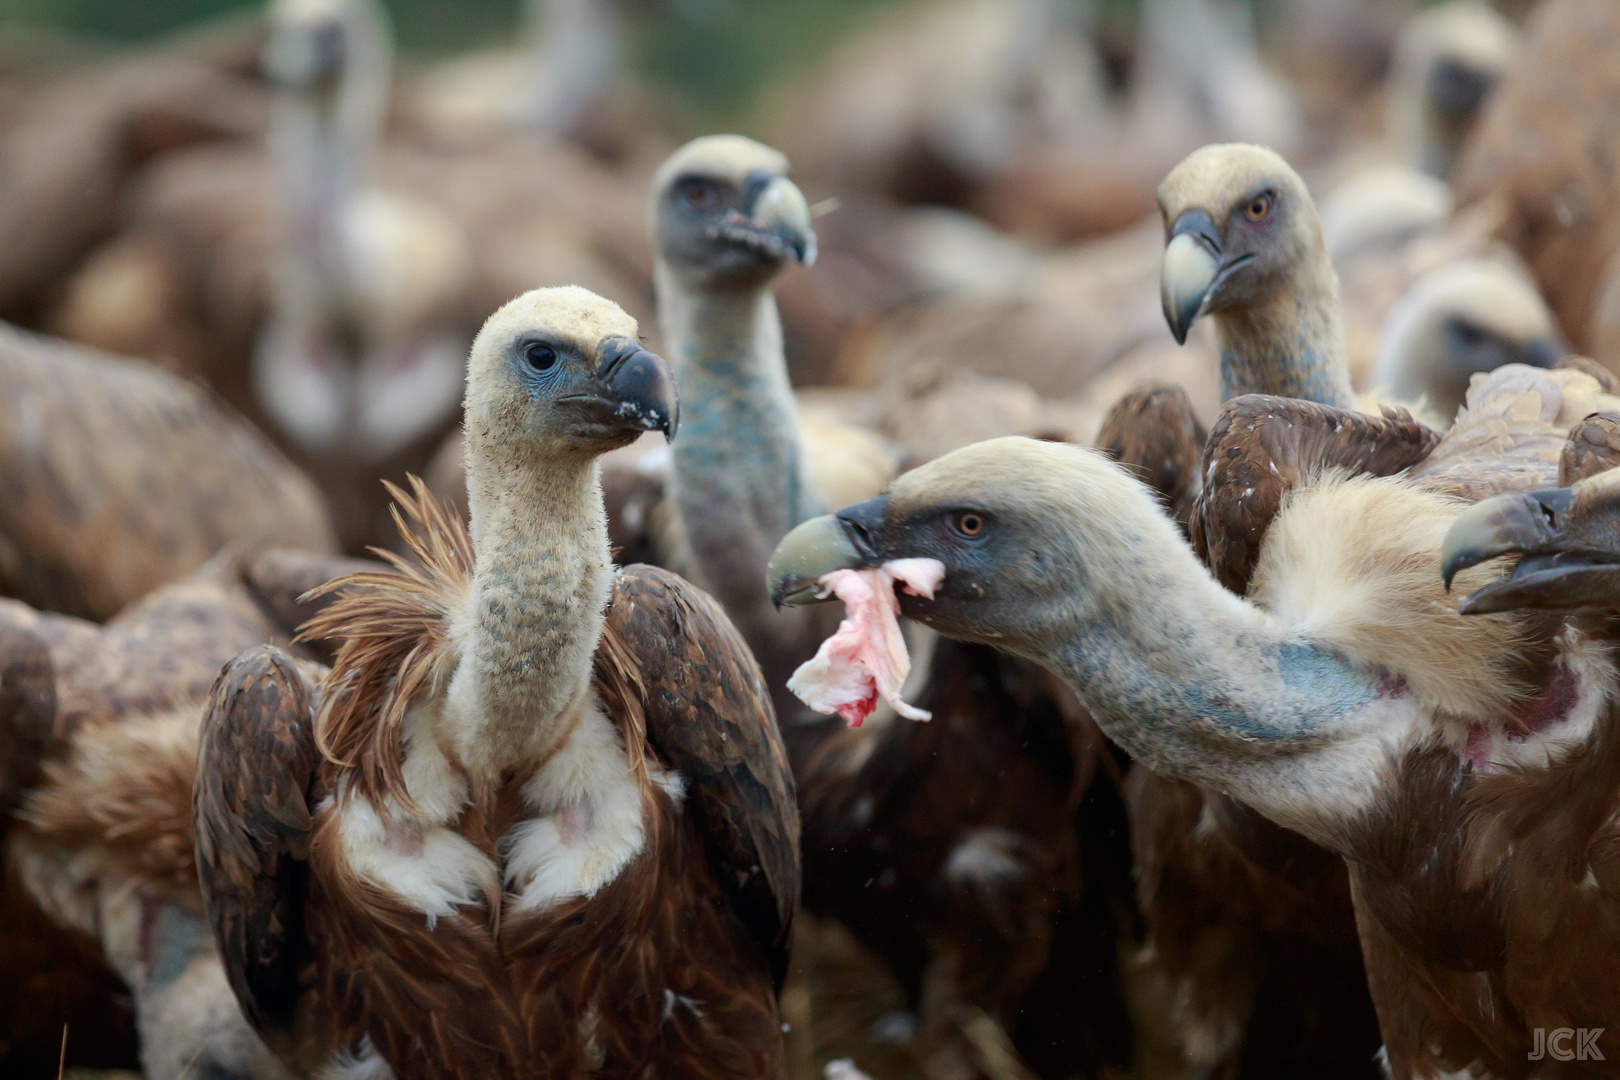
x=699, y=193
x=1258, y=207
x=539, y=356
x=970, y=523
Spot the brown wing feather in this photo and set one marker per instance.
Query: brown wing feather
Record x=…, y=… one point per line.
x=27, y=714
x=1262, y=447
x=256, y=762
x=708, y=714
x=1154, y=432
x=393, y=627
x=1593, y=447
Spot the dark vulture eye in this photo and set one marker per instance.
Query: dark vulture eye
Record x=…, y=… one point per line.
x=1259, y=207
x=698, y=194
x=539, y=356
x=969, y=524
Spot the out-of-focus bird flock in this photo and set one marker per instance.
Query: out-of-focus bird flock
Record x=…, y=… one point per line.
x=418, y=479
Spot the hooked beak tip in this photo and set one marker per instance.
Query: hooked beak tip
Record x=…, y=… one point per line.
x=805, y=555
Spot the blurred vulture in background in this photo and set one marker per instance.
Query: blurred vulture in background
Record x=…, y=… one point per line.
x=74, y=136
x=100, y=895
x=117, y=478
x=1542, y=165
x=316, y=279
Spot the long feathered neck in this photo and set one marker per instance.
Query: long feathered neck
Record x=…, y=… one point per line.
x=739, y=482
x=1292, y=345
x=1203, y=686
x=541, y=581
x=321, y=146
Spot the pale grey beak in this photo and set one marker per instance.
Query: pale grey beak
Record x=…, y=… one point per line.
x=1192, y=264
x=781, y=210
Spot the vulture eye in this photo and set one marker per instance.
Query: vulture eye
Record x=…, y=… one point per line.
x=1259, y=207
x=700, y=195
x=539, y=356
x=969, y=523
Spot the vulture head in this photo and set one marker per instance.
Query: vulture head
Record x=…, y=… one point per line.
x=1446, y=62
x=1011, y=520
x=1567, y=540
x=557, y=373
x=724, y=214
x=1460, y=321
x=315, y=45
x=1243, y=244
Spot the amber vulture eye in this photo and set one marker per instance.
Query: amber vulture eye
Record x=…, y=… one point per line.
x=1259, y=207
x=969, y=523
x=698, y=194
x=539, y=356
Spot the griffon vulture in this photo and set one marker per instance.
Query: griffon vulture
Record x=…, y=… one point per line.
x=1338, y=699
x=537, y=818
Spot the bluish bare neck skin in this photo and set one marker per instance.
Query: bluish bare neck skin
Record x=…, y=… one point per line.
x=1215, y=696
x=738, y=480
x=1295, y=347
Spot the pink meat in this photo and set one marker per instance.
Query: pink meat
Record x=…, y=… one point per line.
x=866, y=659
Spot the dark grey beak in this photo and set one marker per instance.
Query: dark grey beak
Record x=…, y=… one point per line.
x=1192, y=266
x=1502, y=525
x=841, y=541
x=638, y=386
x=1543, y=353
x=1557, y=572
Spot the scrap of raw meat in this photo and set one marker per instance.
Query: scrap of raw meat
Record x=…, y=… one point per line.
x=866, y=659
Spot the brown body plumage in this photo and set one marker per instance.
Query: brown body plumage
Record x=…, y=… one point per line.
x=122, y=478
x=98, y=876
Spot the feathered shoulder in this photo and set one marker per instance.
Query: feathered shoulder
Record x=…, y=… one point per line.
x=395, y=648
x=394, y=629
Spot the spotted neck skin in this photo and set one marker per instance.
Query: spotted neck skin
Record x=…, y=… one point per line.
x=1292, y=345
x=1205, y=687
x=736, y=410
x=541, y=582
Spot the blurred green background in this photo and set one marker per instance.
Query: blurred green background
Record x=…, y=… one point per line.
x=715, y=54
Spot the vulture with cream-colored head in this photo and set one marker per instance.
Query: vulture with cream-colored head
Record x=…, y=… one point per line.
x=1464, y=319
x=1447, y=61
x=913, y=838
x=101, y=921
x=537, y=819
x=725, y=220
x=1243, y=245
x=1344, y=697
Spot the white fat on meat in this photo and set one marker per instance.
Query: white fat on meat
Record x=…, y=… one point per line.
x=866, y=659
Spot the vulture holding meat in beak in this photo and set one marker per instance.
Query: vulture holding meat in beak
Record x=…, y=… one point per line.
x=1344, y=698
x=537, y=819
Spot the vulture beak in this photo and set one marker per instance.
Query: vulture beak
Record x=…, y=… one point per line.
x=778, y=212
x=1457, y=87
x=1193, y=268
x=1557, y=572
x=841, y=541
x=638, y=387
x=1543, y=352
